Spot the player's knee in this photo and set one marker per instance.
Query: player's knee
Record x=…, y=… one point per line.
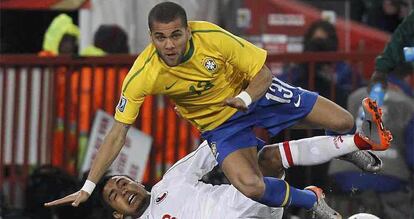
x=270, y=155
x=251, y=186
x=266, y=154
x=270, y=162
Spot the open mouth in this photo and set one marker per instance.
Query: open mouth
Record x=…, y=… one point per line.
x=131, y=198
x=171, y=55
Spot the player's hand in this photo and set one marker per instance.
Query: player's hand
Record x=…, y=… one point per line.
x=378, y=77
x=237, y=103
x=75, y=199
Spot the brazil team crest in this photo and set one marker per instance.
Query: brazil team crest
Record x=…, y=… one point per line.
x=210, y=64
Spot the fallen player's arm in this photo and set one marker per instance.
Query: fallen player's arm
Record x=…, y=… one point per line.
x=106, y=154
x=108, y=151
x=69, y=199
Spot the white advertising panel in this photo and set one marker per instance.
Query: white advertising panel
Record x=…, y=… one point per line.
x=133, y=157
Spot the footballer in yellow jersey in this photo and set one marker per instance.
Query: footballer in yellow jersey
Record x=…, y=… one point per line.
x=202, y=72
x=216, y=65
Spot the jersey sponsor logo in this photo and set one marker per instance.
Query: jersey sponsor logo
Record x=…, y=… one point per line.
x=161, y=197
x=122, y=103
x=210, y=64
x=170, y=86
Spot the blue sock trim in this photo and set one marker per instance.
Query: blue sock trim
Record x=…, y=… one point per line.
x=275, y=192
x=278, y=193
x=303, y=198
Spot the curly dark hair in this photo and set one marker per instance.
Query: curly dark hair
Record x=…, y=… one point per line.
x=99, y=191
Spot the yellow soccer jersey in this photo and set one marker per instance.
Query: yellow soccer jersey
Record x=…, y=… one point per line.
x=217, y=65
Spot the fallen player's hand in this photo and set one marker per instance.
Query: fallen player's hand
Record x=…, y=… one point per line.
x=237, y=103
x=75, y=199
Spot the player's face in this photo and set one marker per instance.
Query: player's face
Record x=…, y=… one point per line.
x=125, y=196
x=320, y=34
x=170, y=40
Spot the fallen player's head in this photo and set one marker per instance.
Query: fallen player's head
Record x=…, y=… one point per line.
x=125, y=196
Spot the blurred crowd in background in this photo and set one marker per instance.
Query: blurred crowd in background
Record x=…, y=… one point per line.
x=384, y=15
x=50, y=33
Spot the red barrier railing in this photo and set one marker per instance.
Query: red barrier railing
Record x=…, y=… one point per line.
x=44, y=112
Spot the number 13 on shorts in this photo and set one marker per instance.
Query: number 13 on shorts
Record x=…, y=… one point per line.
x=280, y=91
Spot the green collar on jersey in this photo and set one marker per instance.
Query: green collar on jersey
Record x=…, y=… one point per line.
x=189, y=53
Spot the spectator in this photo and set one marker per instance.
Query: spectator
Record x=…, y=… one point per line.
x=109, y=39
x=61, y=38
x=393, y=54
x=358, y=9
x=385, y=16
x=321, y=37
x=391, y=187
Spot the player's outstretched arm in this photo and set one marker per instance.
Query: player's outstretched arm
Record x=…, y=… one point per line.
x=106, y=154
x=256, y=89
x=108, y=151
x=75, y=199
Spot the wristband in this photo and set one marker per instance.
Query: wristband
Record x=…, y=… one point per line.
x=88, y=187
x=245, y=97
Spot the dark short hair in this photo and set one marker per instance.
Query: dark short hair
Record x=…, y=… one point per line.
x=99, y=190
x=111, y=39
x=47, y=183
x=166, y=12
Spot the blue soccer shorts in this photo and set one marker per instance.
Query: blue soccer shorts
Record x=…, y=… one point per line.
x=281, y=107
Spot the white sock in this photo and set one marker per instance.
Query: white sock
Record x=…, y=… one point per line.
x=315, y=150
